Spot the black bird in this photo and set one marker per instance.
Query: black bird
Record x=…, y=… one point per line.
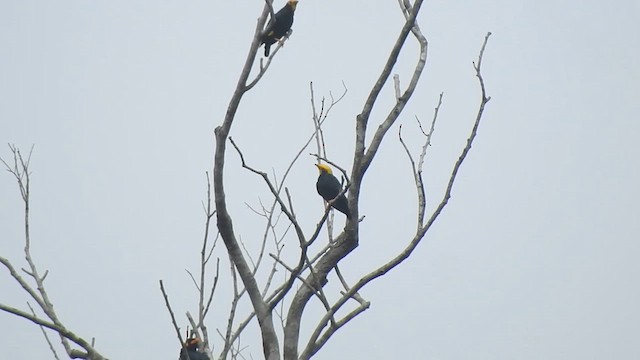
x=191, y=346
x=279, y=26
x=329, y=187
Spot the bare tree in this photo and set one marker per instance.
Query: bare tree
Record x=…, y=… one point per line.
x=19, y=168
x=278, y=305
x=309, y=274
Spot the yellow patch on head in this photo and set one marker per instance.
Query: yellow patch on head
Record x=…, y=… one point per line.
x=324, y=168
x=292, y=3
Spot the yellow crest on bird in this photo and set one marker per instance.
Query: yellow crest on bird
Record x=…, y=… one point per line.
x=292, y=3
x=324, y=168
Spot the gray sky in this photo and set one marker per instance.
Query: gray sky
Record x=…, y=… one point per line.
x=534, y=258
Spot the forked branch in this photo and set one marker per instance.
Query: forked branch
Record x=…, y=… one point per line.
x=224, y=222
x=19, y=168
x=348, y=240
x=421, y=231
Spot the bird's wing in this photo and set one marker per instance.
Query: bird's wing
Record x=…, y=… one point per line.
x=268, y=31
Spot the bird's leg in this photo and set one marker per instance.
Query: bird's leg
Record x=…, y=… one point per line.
x=285, y=37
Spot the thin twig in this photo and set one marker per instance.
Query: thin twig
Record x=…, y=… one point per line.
x=173, y=318
x=46, y=337
x=382, y=270
x=20, y=170
x=268, y=334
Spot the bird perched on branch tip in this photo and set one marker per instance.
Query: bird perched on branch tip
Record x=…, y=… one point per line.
x=191, y=347
x=329, y=187
x=279, y=25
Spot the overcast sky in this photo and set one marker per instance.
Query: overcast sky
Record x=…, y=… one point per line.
x=534, y=258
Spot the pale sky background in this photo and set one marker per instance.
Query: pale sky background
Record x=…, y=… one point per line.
x=534, y=258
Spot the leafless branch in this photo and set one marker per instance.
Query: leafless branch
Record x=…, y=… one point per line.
x=225, y=226
x=173, y=317
x=301, y=238
x=20, y=170
x=62, y=331
x=341, y=278
x=416, y=169
x=278, y=246
x=316, y=344
x=229, y=338
x=274, y=192
x=265, y=66
x=420, y=233
x=195, y=331
x=291, y=270
x=348, y=240
x=44, y=333
x=403, y=99
x=429, y=134
x=272, y=13
x=273, y=298
x=279, y=293
x=213, y=288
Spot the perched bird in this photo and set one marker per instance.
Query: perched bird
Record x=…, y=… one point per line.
x=191, y=346
x=279, y=26
x=329, y=187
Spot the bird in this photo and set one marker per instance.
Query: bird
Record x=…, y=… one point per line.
x=329, y=187
x=191, y=347
x=279, y=26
